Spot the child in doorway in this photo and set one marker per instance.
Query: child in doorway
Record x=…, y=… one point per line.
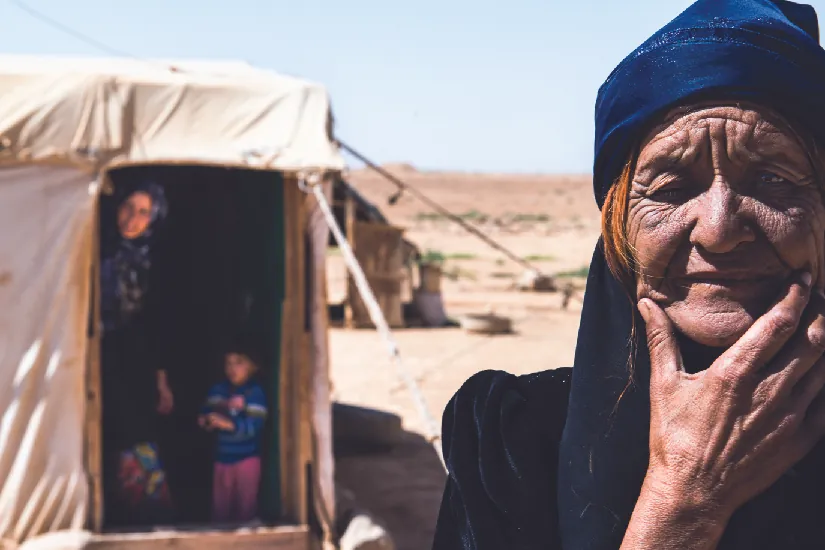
x=236, y=411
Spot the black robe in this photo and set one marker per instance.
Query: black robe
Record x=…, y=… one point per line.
x=500, y=435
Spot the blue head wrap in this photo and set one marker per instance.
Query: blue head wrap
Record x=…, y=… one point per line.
x=752, y=50
x=760, y=51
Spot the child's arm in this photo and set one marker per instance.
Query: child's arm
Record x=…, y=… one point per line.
x=214, y=399
x=251, y=423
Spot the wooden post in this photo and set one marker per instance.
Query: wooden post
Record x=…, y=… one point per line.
x=289, y=442
x=302, y=366
x=293, y=426
x=93, y=436
x=352, y=292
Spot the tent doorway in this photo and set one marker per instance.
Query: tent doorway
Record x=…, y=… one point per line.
x=219, y=261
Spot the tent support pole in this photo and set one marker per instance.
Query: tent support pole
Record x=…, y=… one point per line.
x=377, y=316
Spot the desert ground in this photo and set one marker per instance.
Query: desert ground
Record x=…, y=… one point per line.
x=553, y=222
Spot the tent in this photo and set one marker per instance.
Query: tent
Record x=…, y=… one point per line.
x=66, y=127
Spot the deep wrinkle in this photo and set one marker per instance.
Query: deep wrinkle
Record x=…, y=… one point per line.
x=721, y=211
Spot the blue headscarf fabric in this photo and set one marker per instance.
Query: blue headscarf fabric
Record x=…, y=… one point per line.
x=761, y=51
x=756, y=50
x=126, y=263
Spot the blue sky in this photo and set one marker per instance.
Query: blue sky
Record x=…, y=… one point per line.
x=475, y=85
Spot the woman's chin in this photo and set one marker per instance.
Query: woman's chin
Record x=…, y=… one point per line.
x=717, y=329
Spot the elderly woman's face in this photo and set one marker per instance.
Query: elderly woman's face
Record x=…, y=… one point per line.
x=134, y=215
x=724, y=206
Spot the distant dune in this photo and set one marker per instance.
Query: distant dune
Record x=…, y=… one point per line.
x=396, y=168
x=562, y=197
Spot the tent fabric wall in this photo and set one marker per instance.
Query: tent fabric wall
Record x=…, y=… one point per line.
x=46, y=237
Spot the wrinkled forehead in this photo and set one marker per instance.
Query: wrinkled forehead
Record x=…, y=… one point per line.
x=697, y=115
x=748, y=132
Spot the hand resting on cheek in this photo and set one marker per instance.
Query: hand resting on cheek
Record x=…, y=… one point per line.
x=720, y=437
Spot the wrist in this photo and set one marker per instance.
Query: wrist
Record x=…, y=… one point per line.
x=682, y=506
x=672, y=514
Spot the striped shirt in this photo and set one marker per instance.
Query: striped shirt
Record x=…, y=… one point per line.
x=246, y=407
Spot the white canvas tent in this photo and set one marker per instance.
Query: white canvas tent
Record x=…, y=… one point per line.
x=124, y=110
x=63, y=124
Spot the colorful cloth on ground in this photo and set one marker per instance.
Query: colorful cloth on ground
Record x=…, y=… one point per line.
x=246, y=407
x=125, y=263
x=136, y=488
x=141, y=477
x=235, y=491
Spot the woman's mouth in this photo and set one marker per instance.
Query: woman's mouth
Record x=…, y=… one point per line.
x=748, y=283
x=723, y=279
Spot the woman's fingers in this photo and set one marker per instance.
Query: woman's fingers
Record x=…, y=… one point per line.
x=665, y=357
x=769, y=334
x=814, y=423
x=809, y=387
x=802, y=352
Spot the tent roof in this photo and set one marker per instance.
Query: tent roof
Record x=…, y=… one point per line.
x=88, y=110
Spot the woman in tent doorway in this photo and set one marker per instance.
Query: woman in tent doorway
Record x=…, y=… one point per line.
x=135, y=387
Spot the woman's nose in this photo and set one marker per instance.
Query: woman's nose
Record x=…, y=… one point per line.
x=720, y=223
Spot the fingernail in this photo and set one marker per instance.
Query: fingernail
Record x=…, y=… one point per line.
x=644, y=308
x=806, y=279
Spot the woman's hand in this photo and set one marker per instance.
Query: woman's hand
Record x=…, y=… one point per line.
x=720, y=437
x=166, y=400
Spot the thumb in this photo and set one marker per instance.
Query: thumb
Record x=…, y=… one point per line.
x=665, y=357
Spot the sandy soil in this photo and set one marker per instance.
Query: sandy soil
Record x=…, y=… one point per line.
x=552, y=221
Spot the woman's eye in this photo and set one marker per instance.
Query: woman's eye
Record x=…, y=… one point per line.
x=769, y=178
x=671, y=194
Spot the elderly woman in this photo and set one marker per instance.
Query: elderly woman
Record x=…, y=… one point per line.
x=693, y=415
x=135, y=387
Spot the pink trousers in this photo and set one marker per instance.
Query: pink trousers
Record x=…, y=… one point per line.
x=235, y=491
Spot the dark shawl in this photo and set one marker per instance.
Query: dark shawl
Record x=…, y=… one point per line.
x=523, y=477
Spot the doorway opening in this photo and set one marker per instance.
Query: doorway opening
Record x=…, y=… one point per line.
x=217, y=270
